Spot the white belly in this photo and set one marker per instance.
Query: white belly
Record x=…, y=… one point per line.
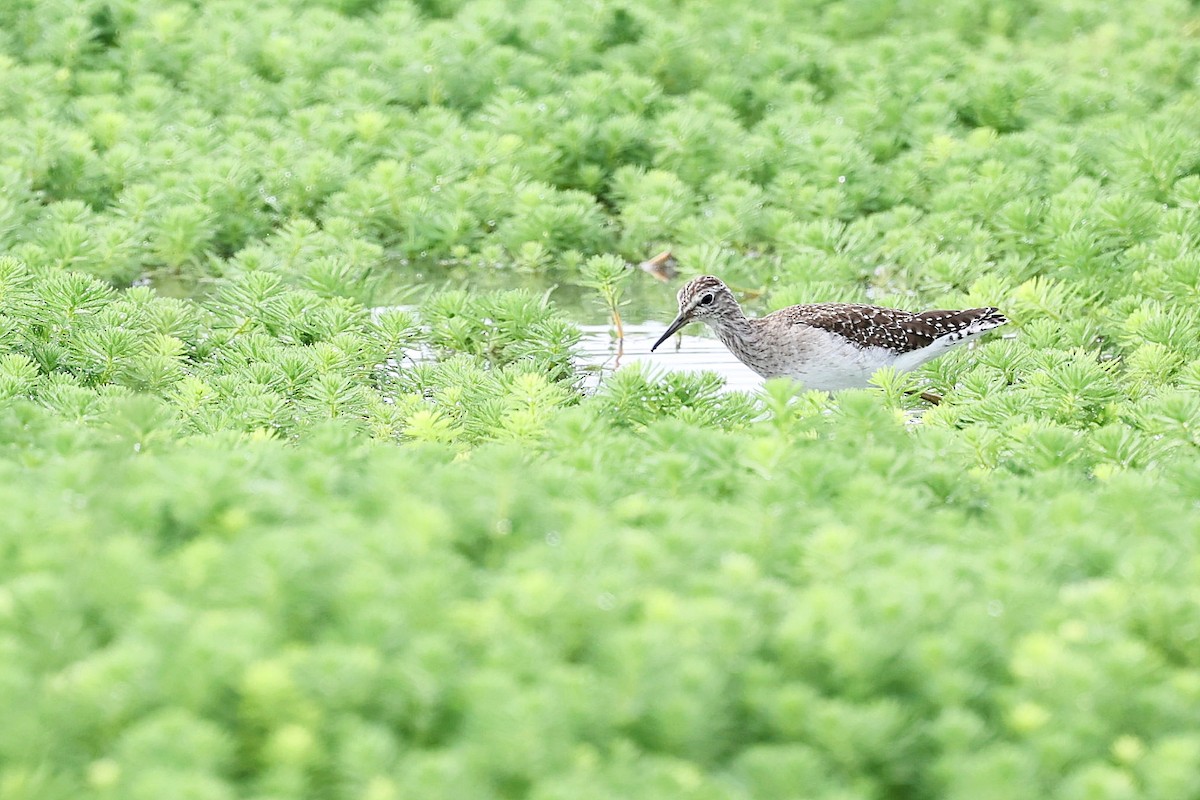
x=821, y=360
x=845, y=367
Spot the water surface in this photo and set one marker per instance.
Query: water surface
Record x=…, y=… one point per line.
x=648, y=308
x=689, y=353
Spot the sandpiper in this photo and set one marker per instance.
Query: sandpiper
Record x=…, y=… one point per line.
x=827, y=346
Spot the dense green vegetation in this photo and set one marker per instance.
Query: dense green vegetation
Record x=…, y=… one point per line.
x=252, y=548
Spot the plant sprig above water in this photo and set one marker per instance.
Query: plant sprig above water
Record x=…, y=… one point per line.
x=607, y=275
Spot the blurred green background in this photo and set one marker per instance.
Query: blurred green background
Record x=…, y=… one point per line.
x=306, y=495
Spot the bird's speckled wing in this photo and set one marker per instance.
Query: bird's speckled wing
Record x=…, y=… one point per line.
x=891, y=328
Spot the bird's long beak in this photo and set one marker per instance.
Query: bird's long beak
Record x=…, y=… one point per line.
x=679, y=322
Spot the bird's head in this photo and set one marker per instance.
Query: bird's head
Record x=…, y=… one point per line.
x=703, y=299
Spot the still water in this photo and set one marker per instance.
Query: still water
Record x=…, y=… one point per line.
x=598, y=352
x=648, y=307
x=645, y=299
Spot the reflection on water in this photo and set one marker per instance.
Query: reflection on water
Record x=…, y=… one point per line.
x=408, y=283
x=598, y=358
x=597, y=355
x=643, y=298
x=598, y=350
x=402, y=284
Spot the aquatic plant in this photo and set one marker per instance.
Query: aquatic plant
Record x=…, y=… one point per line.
x=310, y=530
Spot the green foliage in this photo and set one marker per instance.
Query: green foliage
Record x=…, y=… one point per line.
x=467, y=130
x=608, y=276
x=261, y=356
x=285, y=538
x=503, y=327
x=672, y=596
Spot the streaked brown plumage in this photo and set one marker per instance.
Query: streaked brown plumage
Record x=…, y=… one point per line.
x=828, y=346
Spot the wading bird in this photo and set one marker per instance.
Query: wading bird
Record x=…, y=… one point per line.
x=828, y=346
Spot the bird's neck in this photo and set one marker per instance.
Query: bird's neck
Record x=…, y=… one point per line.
x=736, y=331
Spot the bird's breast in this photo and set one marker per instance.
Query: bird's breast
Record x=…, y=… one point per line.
x=816, y=358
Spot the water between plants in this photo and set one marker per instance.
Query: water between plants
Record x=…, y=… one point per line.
x=598, y=353
x=648, y=308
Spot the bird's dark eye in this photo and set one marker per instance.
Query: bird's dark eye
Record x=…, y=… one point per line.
x=706, y=300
